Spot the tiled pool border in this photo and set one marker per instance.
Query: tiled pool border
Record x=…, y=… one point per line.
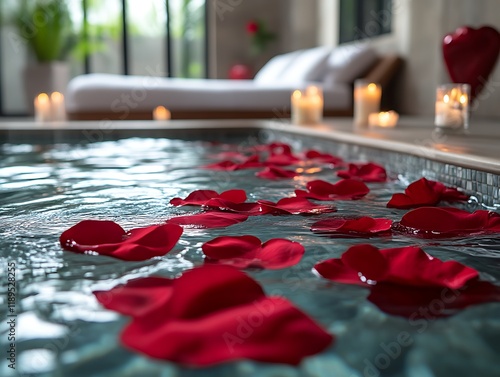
x=479, y=177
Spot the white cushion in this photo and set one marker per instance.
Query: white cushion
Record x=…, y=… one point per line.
x=273, y=69
x=308, y=65
x=296, y=67
x=347, y=63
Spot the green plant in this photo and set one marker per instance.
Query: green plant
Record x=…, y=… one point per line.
x=46, y=27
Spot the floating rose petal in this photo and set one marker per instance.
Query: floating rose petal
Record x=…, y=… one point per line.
x=248, y=209
x=408, y=266
x=425, y=193
x=249, y=251
x=227, y=165
x=325, y=158
x=203, y=314
x=360, y=227
x=280, y=154
x=109, y=238
x=200, y=197
x=294, y=206
x=367, y=173
x=208, y=220
x=430, y=302
x=448, y=222
x=274, y=172
x=347, y=189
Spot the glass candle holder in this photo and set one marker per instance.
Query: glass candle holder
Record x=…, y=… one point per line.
x=452, y=107
x=307, y=106
x=367, y=96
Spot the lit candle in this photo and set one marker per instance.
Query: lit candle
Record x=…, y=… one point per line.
x=307, y=106
x=367, y=98
x=58, y=111
x=385, y=119
x=42, y=108
x=161, y=113
x=452, y=106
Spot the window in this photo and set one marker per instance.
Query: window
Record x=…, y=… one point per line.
x=361, y=19
x=147, y=37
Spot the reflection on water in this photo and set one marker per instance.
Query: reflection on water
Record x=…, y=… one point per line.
x=62, y=331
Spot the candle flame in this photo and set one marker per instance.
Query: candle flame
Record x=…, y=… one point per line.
x=43, y=98
x=463, y=99
x=56, y=96
x=297, y=94
x=372, y=87
x=161, y=113
x=446, y=98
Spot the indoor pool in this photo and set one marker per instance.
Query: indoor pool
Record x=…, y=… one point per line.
x=62, y=330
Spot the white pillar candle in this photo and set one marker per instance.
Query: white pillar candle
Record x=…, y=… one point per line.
x=161, y=113
x=385, y=119
x=452, y=106
x=43, y=112
x=367, y=98
x=58, y=110
x=307, y=106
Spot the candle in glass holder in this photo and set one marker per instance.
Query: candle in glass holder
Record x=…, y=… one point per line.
x=43, y=111
x=384, y=119
x=307, y=106
x=452, y=106
x=161, y=113
x=367, y=98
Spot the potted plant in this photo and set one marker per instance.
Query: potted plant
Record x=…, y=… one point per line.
x=46, y=28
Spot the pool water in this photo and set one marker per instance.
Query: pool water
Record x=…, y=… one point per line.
x=61, y=330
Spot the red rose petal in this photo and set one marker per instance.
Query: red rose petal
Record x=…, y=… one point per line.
x=431, y=302
x=365, y=172
x=249, y=209
x=209, y=220
x=138, y=297
x=108, y=238
x=348, y=189
x=248, y=251
x=367, y=260
x=274, y=172
x=363, y=226
x=447, y=222
x=323, y=157
x=226, y=165
x=408, y=266
x=294, y=206
x=200, y=197
x=216, y=314
x=424, y=193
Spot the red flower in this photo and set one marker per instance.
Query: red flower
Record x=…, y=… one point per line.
x=273, y=173
x=348, y=189
x=109, y=238
x=249, y=251
x=409, y=266
x=281, y=154
x=325, y=158
x=367, y=173
x=447, y=222
x=208, y=220
x=425, y=193
x=252, y=27
x=294, y=206
x=360, y=227
x=211, y=315
x=200, y=197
